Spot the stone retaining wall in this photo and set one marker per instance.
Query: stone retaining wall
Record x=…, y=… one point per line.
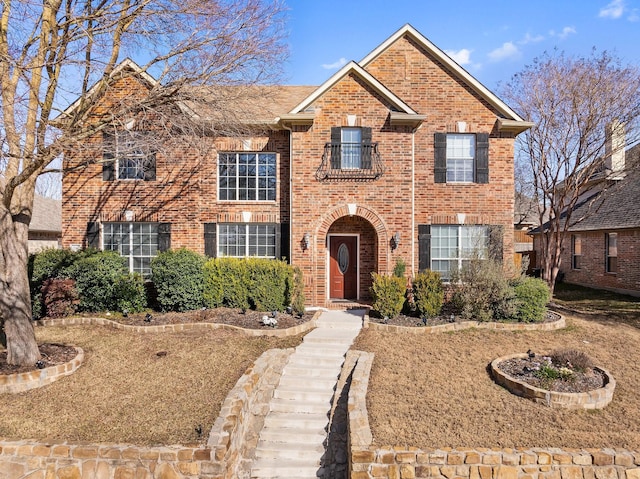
x=233, y=435
x=368, y=461
x=173, y=328
x=20, y=382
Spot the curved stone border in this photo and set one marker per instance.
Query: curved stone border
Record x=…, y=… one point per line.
x=20, y=382
x=446, y=328
x=173, y=328
x=596, y=399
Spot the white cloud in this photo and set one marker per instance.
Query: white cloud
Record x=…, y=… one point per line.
x=507, y=51
x=528, y=38
x=461, y=57
x=633, y=16
x=566, y=31
x=614, y=10
x=334, y=66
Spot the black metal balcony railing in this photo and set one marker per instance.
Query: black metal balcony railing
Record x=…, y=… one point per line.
x=350, y=161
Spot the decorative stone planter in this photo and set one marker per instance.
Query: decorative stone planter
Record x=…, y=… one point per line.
x=595, y=399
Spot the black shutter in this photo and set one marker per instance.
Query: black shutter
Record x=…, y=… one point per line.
x=440, y=149
x=285, y=234
x=482, y=158
x=424, y=247
x=164, y=236
x=336, y=140
x=496, y=240
x=108, y=157
x=93, y=235
x=150, y=167
x=366, y=148
x=210, y=240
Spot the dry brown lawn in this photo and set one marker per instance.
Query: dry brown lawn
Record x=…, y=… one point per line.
x=126, y=393
x=434, y=390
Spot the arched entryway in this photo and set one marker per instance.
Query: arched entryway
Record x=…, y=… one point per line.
x=352, y=255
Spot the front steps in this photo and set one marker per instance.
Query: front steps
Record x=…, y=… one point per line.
x=291, y=443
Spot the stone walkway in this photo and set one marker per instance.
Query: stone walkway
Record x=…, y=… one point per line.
x=293, y=439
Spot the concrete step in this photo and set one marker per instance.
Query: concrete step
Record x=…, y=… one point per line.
x=317, y=371
x=292, y=406
x=314, y=422
x=306, y=384
x=302, y=359
x=292, y=435
x=289, y=451
x=322, y=350
x=295, y=394
x=275, y=468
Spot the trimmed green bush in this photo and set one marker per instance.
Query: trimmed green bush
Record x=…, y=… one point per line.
x=399, y=268
x=532, y=295
x=295, y=290
x=213, y=293
x=428, y=294
x=96, y=275
x=234, y=280
x=179, y=279
x=130, y=293
x=268, y=284
x=388, y=295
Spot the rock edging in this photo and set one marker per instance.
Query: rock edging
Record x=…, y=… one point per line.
x=20, y=382
x=459, y=326
x=596, y=399
x=173, y=328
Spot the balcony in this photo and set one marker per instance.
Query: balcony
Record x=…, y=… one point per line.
x=350, y=161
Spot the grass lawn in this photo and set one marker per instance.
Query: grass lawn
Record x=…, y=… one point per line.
x=126, y=393
x=434, y=390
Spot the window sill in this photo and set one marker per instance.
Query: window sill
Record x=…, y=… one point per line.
x=246, y=202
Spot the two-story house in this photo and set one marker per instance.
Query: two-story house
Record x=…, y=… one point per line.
x=403, y=155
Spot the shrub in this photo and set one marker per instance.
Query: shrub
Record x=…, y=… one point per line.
x=532, y=295
x=482, y=291
x=428, y=294
x=295, y=290
x=48, y=263
x=268, y=279
x=60, y=297
x=388, y=294
x=179, y=279
x=399, y=268
x=232, y=281
x=213, y=293
x=96, y=275
x=130, y=293
x=571, y=358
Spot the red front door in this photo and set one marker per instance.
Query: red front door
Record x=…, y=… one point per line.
x=343, y=267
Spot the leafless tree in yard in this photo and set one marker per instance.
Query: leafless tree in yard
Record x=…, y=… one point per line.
x=576, y=104
x=53, y=52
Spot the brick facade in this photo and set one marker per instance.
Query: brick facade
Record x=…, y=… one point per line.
x=185, y=191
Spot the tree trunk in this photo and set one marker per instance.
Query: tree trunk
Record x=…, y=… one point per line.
x=15, y=297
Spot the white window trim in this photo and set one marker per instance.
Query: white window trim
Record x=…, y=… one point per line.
x=459, y=249
x=246, y=246
x=130, y=224
x=235, y=202
x=472, y=159
x=118, y=156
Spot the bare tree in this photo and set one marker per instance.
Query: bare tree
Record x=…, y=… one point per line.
x=53, y=52
x=577, y=104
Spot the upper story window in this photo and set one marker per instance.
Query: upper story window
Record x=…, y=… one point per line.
x=461, y=158
x=246, y=176
x=128, y=155
x=576, y=251
x=350, y=155
x=611, y=245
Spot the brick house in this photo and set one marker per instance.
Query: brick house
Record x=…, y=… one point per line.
x=401, y=156
x=602, y=250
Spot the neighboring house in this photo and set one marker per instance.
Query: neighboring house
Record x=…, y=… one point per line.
x=45, y=229
x=602, y=250
x=525, y=218
x=401, y=156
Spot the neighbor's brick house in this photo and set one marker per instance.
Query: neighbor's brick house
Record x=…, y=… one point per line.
x=403, y=155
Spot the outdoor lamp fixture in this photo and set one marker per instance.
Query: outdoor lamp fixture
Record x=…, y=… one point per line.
x=306, y=241
x=395, y=241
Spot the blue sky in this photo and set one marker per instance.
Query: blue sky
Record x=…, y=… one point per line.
x=492, y=39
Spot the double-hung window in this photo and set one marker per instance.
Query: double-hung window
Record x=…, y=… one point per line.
x=351, y=148
x=452, y=246
x=461, y=158
x=137, y=242
x=576, y=251
x=128, y=155
x=246, y=176
x=611, y=245
x=247, y=239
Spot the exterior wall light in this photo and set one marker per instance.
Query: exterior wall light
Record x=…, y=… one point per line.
x=395, y=240
x=306, y=241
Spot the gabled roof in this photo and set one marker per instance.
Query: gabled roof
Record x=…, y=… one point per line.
x=47, y=215
x=454, y=68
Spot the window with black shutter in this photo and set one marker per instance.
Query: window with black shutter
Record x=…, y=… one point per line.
x=128, y=155
x=351, y=154
x=461, y=158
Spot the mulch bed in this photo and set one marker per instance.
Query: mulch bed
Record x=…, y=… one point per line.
x=54, y=354
x=523, y=369
x=445, y=317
